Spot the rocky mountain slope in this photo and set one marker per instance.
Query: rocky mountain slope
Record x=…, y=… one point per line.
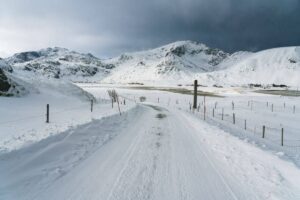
x=59, y=63
x=9, y=85
x=172, y=64
x=179, y=60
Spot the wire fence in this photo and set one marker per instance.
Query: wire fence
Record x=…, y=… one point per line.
x=54, y=111
x=276, y=136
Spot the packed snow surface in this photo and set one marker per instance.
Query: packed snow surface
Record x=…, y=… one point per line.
x=157, y=149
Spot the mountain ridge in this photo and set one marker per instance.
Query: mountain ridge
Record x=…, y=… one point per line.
x=171, y=64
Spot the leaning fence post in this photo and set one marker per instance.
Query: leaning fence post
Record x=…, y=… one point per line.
x=263, y=133
x=47, y=113
x=92, y=103
x=222, y=113
x=233, y=118
x=118, y=105
x=281, y=136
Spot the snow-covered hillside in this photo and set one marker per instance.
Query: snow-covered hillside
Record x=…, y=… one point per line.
x=273, y=66
x=178, y=61
x=181, y=62
x=59, y=63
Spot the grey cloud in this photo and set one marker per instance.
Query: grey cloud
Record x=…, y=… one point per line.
x=110, y=27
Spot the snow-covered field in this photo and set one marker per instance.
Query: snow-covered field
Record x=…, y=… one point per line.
x=159, y=149
x=22, y=120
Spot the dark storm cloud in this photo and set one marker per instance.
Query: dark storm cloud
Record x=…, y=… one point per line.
x=109, y=27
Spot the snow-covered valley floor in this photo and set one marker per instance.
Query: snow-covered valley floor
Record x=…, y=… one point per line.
x=155, y=150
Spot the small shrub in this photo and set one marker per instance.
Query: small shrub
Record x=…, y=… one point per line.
x=142, y=99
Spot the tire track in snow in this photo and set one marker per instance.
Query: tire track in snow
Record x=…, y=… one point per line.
x=129, y=154
x=188, y=127
x=138, y=179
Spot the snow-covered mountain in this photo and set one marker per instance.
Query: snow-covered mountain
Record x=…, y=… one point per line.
x=48, y=71
x=181, y=62
x=59, y=63
x=176, y=61
x=272, y=66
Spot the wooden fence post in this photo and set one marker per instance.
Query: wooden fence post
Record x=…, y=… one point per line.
x=195, y=94
x=213, y=112
x=281, y=136
x=263, y=133
x=204, y=111
x=92, y=104
x=245, y=124
x=232, y=105
x=233, y=118
x=47, y=113
x=222, y=113
x=118, y=102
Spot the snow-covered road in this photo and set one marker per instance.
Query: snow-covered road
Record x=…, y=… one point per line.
x=149, y=152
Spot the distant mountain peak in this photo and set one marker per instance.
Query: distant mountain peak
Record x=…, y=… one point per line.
x=175, y=63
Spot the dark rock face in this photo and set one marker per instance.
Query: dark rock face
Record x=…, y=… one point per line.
x=178, y=51
x=218, y=56
x=26, y=56
x=4, y=82
x=9, y=85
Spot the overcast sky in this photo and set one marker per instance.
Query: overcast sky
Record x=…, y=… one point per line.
x=107, y=28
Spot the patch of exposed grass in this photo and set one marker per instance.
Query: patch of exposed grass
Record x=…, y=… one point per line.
x=155, y=107
x=161, y=116
x=293, y=93
x=6, y=94
x=175, y=90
